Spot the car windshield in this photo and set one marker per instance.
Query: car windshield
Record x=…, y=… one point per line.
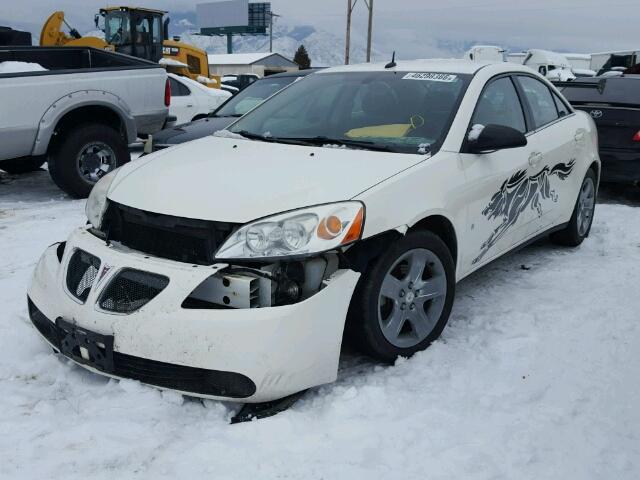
x=252, y=96
x=405, y=112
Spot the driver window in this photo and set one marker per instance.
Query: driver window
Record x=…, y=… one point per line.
x=499, y=104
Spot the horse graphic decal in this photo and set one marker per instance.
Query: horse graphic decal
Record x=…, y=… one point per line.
x=518, y=193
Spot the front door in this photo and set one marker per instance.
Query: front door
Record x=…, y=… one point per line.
x=497, y=192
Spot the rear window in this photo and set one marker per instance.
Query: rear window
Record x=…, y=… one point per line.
x=625, y=90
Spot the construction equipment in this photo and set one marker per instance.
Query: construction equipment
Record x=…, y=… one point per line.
x=139, y=32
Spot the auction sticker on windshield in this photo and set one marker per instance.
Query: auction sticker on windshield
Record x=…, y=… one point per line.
x=434, y=77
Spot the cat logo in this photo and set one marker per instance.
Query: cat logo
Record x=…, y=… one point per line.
x=595, y=114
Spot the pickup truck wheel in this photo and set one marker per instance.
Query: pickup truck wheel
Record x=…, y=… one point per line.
x=403, y=301
x=85, y=155
x=22, y=165
x=579, y=225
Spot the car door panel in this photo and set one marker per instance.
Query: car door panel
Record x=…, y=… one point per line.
x=557, y=141
x=498, y=189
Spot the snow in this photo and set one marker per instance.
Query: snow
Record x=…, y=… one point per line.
x=171, y=62
x=475, y=132
x=228, y=134
x=535, y=377
x=20, y=67
x=423, y=148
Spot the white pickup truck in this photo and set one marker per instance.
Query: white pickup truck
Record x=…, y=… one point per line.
x=78, y=109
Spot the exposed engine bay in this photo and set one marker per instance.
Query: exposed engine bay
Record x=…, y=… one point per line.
x=259, y=286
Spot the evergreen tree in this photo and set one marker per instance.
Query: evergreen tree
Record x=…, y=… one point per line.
x=302, y=58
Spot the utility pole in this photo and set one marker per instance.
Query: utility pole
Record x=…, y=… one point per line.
x=369, y=5
x=350, y=6
x=271, y=15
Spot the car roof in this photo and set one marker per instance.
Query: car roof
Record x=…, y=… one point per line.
x=449, y=65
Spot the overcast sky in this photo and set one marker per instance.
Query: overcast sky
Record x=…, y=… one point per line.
x=414, y=28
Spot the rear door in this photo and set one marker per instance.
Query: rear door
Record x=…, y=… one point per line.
x=182, y=102
x=557, y=142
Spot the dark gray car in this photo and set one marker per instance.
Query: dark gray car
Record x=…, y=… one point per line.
x=226, y=113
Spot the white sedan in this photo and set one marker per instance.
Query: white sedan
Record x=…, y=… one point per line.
x=191, y=100
x=352, y=202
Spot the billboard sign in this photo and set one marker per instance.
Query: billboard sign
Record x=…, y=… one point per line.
x=228, y=13
x=233, y=17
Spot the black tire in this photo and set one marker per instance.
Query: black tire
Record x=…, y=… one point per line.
x=571, y=235
x=64, y=162
x=363, y=325
x=17, y=166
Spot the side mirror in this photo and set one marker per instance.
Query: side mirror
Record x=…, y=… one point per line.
x=542, y=70
x=494, y=137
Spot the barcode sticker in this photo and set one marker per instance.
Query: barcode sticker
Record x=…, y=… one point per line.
x=430, y=76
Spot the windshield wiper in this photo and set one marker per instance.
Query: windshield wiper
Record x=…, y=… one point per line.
x=254, y=136
x=347, y=142
x=267, y=138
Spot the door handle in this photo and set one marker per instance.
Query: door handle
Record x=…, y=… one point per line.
x=535, y=158
x=189, y=105
x=579, y=136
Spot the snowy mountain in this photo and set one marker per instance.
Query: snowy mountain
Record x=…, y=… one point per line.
x=325, y=49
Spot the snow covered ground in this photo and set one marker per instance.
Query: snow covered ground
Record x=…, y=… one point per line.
x=536, y=377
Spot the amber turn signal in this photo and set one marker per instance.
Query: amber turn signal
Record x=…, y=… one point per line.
x=355, y=230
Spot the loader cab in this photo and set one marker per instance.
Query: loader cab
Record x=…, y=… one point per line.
x=138, y=32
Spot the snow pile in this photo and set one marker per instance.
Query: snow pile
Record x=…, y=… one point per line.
x=20, y=67
x=535, y=377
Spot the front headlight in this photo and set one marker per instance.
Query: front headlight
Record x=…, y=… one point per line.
x=97, y=201
x=298, y=232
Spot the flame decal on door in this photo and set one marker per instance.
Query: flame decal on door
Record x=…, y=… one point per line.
x=518, y=193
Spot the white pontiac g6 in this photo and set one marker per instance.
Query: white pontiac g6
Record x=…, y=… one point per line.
x=347, y=205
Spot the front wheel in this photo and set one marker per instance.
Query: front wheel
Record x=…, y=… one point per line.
x=579, y=225
x=403, y=301
x=85, y=155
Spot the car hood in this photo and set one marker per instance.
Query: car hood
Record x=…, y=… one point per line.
x=239, y=180
x=192, y=130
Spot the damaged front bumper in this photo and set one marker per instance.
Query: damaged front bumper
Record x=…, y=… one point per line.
x=247, y=354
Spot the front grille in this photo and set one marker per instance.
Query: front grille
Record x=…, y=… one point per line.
x=130, y=290
x=176, y=238
x=152, y=372
x=81, y=273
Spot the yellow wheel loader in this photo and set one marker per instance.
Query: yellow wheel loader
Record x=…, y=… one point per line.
x=139, y=32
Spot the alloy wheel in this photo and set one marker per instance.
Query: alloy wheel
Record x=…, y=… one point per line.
x=586, y=204
x=412, y=298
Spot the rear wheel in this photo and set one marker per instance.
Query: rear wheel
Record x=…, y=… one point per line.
x=403, y=301
x=85, y=155
x=22, y=165
x=579, y=225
